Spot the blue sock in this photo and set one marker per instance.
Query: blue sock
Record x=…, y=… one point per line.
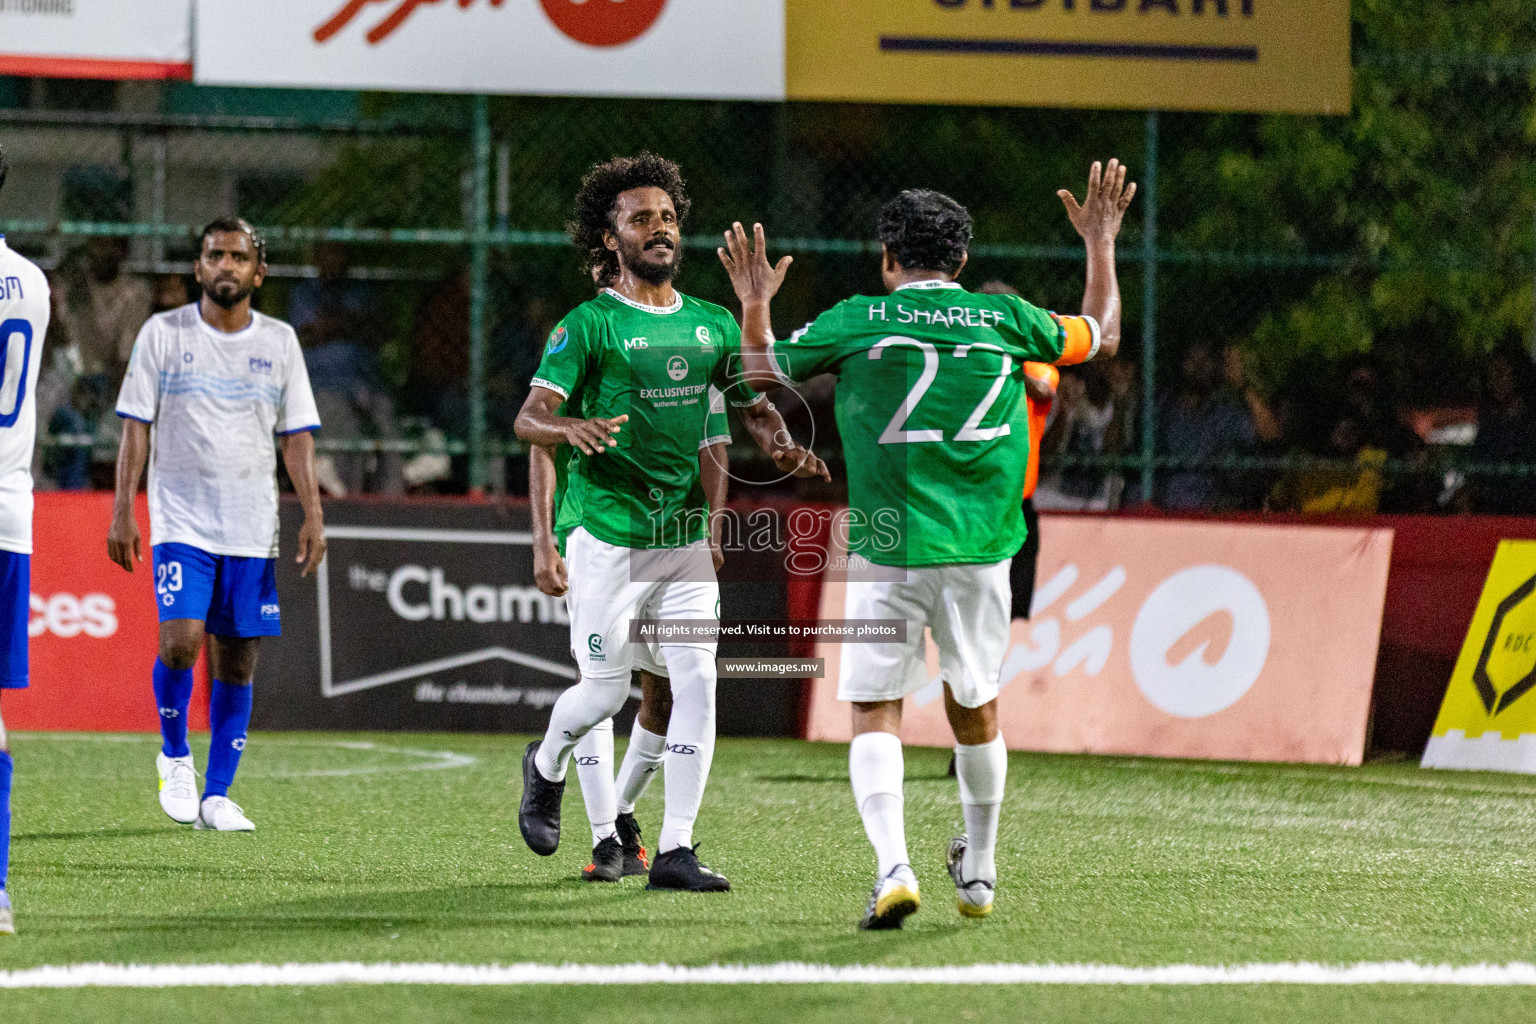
x=173, y=694
x=229, y=712
x=6, y=767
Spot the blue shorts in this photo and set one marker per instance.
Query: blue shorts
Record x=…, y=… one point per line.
x=15, y=610
x=230, y=595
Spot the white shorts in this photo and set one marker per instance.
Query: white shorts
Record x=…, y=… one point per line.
x=610, y=585
x=967, y=609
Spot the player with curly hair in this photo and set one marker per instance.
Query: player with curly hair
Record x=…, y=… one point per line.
x=625, y=382
x=931, y=407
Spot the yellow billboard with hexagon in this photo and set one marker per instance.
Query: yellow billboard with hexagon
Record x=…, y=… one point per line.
x=1488, y=720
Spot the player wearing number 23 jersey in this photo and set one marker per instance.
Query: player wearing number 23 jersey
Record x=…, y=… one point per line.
x=208, y=387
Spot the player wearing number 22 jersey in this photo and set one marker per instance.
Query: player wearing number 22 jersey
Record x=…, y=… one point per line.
x=214, y=381
x=23, y=325
x=931, y=405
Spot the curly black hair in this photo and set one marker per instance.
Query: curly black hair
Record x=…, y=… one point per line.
x=236, y=226
x=925, y=230
x=599, y=193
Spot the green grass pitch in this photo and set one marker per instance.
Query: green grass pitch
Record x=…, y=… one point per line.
x=405, y=848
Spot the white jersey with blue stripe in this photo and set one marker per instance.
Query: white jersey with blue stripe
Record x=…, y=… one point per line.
x=23, y=325
x=214, y=401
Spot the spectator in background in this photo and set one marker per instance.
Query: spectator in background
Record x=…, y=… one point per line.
x=1198, y=422
x=1249, y=487
x=1348, y=483
x=1506, y=432
x=338, y=322
x=439, y=371
x=1080, y=426
x=104, y=309
x=514, y=358
x=170, y=292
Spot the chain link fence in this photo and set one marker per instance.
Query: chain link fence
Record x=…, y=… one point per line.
x=1324, y=315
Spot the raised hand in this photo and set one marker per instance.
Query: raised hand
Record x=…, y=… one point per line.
x=594, y=435
x=746, y=261
x=1097, y=219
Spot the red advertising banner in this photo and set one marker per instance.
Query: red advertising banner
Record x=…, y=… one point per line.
x=1177, y=639
x=93, y=627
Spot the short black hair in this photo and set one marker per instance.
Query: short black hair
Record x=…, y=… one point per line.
x=925, y=230
x=599, y=194
x=5, y=167
x=235, y=225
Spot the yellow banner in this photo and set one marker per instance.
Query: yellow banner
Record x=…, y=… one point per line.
x=1242, y=55
x=1488, y=719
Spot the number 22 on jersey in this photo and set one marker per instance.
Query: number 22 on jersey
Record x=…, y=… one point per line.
x=971, y=430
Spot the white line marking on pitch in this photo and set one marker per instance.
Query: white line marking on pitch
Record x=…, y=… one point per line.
x=431, y=760
x=240, y=975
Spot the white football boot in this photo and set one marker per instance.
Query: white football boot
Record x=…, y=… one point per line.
x=7, y=919
x=178, y=787
x=221, y=814
x=893, y=900
x=973, y=898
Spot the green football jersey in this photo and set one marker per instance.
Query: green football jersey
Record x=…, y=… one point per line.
x=717, y=430
x=930, y=404
x=613, y=357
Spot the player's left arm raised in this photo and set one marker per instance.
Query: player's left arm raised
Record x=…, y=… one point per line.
x=299, y=457
x=1097, y=219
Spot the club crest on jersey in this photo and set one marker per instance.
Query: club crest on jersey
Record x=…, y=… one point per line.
x=677, y=367
x=558, y=339
x=260, y=365
x=703, y=335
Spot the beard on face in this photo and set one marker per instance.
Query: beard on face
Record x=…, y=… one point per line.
x=632, y=258
x=227, y=294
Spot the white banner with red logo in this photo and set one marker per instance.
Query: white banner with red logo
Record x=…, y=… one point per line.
x=96, y=38
x=707, y=49
x=1176, y=639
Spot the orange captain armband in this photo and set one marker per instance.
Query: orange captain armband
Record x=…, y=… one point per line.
x=1080, y=339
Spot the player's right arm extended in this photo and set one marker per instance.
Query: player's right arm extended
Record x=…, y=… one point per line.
x=756, y=282
x=548, y=566
x=538, y=424
x=124, y=543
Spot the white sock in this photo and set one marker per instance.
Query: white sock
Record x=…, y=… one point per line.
x=641, y=763
x=983, y=773
x=690, y=742
x=579, y=709
x=876, y=767
x=594, y=767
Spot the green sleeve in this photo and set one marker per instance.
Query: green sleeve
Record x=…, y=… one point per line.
x=816, y=348
x=1037, y=332
x=568, y=354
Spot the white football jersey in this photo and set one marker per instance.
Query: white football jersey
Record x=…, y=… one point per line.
x=23, y=326
x=214, y=401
